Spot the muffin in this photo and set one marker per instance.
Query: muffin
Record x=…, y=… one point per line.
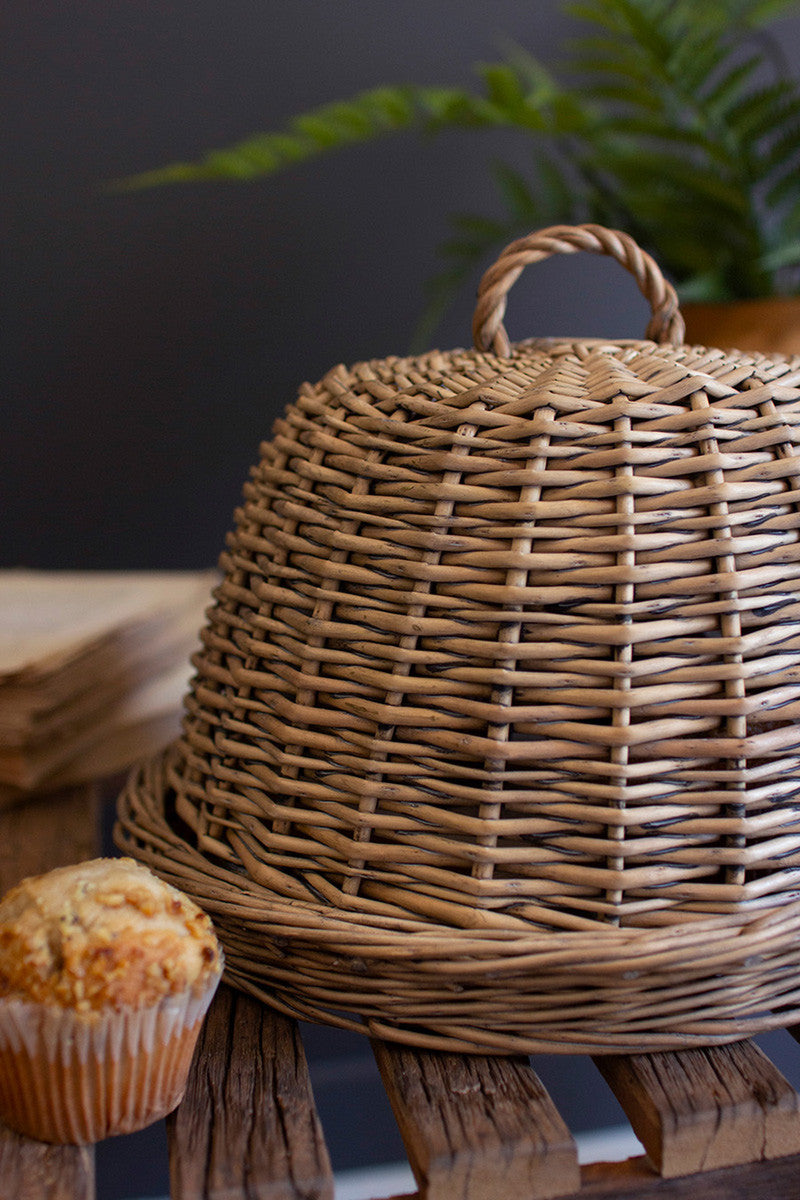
x=106, y=973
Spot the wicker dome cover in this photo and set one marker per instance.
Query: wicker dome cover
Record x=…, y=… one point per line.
x=493, y=739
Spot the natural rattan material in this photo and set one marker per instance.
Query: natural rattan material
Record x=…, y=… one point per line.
x=493, y=740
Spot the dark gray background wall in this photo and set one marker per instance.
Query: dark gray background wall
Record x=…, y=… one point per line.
x=150, y=339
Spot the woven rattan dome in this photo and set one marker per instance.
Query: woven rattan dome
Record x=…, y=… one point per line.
x=492, y=742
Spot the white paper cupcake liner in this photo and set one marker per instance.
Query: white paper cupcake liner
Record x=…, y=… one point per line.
x=75, y=1077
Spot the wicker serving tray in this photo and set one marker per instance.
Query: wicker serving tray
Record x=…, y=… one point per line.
x=492, y=743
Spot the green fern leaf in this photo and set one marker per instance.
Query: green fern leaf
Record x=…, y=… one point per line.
x=781, y=167
x=761, y=113
x=641, y=169
x=786, y=255
x=393, y=107
x=642, y=24
x=779, y=132
x=515, y=191
x=440, y=292
x=323, y=131
x=593, y=12
x=694, y=59
x=761, y=12
x=657, y=131
x=473, y=239
x=790, y=223
x=599, y=59
x=471, y=233
x=727, y=90
x=667, y=129
x=528, y=99
x=331, y=126
x=629, y=95
x=503, y=87
x=556, y=191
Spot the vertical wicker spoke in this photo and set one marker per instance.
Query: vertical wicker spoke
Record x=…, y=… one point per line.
x=368, y=803
x=323, y=607
x=731, y=626
x=621, y=714
x=491, y=810
x=408, y=642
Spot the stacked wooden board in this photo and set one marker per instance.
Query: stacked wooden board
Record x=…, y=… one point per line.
x=93, y=668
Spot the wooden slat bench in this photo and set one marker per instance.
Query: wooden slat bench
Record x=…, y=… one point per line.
x=717, y=1124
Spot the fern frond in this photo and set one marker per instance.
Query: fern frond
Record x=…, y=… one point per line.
x=781, y=167
x=650, y=133
x=696, y=58
x=786, y=255
x=472, y=240
x=790, y=223
x=644, y=25
x=679, y=123
x=629, y=94
x=545, y=197
x=605, y=54
x=523, y=94
x=516, y=193
x=727, y=90
x=362, y=118
x=762, y=113
x=757, y=13
x=639, y=167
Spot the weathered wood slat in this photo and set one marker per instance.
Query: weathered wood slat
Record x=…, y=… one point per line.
x=34, y=1171
x=247, y=1128
x=700, y=1110
x=636, y=1180
x=476, y=1127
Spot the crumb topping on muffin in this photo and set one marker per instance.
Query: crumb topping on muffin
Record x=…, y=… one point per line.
x=103, y=933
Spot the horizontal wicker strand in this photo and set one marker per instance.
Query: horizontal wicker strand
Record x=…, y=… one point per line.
x=714, y=980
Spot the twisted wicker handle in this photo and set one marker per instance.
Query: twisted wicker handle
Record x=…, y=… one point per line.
x=666, y=323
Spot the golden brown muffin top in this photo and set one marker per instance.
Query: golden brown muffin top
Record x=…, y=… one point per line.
x=104, y=933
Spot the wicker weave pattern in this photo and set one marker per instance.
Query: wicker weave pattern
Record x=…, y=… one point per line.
x=508, y=647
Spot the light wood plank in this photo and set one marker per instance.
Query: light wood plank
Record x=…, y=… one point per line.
x=476, y=1128
x=700, y=1110
x=247, y=1128
x=34, y=1171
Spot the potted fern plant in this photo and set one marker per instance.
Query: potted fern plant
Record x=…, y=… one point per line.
x=676, y=121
